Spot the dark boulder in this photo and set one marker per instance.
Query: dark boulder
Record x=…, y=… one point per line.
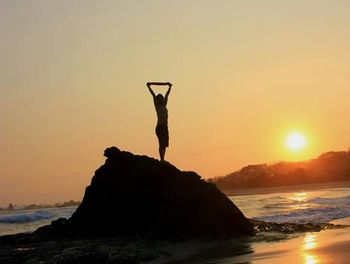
x=138, y=195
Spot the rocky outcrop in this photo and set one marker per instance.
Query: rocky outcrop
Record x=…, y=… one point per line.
x=138, y=195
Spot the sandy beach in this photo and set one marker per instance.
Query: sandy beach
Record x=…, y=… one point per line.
x=298, y=241
x=330, y=246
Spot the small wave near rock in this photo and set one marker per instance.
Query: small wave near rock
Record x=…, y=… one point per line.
x=26, y=217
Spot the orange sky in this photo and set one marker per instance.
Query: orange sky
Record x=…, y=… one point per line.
x=245, y=74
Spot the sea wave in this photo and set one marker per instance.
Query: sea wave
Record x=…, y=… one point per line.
x=281, y=205
x=26, y=217
x=336, y=201
x=344, y=200
x=310, y=215
x=318, y=210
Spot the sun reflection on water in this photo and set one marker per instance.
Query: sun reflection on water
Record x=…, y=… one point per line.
x=299, y=200
x=310, y=242
x=299, y=196
x=310, y=259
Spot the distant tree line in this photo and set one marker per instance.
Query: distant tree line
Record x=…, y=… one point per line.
x=329, y=167
x=38, y=206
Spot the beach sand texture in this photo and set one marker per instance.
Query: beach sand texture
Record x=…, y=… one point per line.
x=330, y=246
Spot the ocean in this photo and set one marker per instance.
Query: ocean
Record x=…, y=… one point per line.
x=301, y=206
x=19, y=221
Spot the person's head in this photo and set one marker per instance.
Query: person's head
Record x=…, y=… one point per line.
x=160, y=99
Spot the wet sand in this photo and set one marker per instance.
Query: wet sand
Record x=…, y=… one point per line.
x=330, y=246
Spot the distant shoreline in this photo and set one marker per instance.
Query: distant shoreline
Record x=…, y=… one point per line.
x=283, y=189
x=14, y=208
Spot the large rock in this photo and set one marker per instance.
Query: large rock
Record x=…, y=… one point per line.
x=138, y=195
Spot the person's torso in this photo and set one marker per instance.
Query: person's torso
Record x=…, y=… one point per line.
x=162, y=114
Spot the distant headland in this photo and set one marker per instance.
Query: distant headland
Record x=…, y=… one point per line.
x=12, y=207
x=333, y=166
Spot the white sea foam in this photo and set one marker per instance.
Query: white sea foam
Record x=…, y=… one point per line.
x=338, y=201
x=25, y=217
x=310, y=215
x=285, y=204
x=319, y=210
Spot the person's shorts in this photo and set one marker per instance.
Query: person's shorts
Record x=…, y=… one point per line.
x=163, y=135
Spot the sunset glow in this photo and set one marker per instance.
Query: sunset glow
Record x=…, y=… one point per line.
x=295, y=141
x=254, y=82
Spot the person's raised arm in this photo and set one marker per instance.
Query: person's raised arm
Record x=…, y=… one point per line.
x=168, y=92
x=150, y=90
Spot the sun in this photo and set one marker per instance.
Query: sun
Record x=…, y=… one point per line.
x=295, y=141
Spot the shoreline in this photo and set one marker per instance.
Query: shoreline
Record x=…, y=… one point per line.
x=29, y=248
x=327, y=246
x=273, y=243
x=284, y=189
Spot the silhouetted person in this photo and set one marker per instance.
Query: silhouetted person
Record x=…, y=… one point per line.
x=160, y=103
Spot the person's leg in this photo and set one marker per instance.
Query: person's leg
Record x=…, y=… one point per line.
x=161, y=153
x=163, y=139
